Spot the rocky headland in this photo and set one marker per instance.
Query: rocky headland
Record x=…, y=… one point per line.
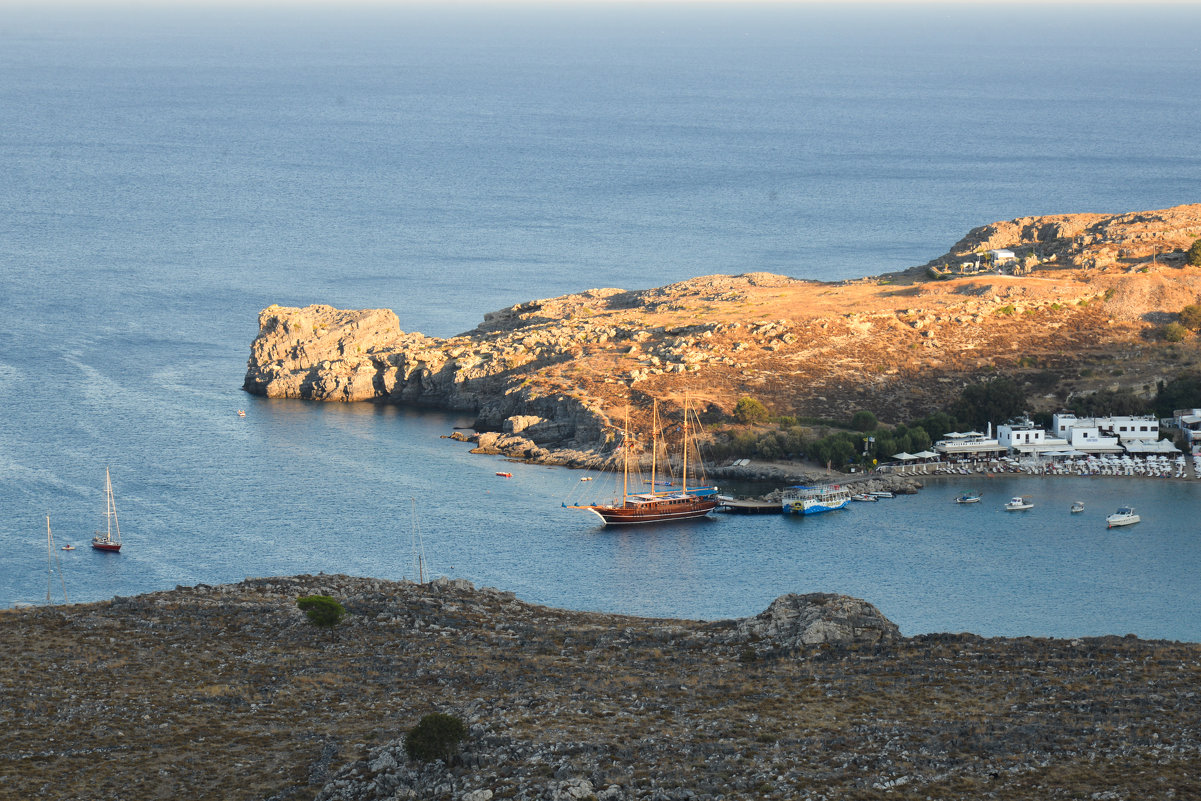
x=1081, y=309
x=228, y=693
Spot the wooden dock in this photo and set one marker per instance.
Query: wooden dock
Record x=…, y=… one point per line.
x=748, y=507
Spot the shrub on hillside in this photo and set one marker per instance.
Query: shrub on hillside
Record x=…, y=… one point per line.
x=321, y=609
x=1174, y=332
x=436, y=736
x=1193, y=254
x=1190, y=317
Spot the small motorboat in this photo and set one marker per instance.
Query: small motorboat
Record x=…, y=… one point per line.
x=586, y=478
x=68, y=547
x=864, y=498
x=1018, y=503
x=968, y=497
x=1077, y=506
x=241, y=413
x=881, y=494
x=1124, y=516
x=505, y=475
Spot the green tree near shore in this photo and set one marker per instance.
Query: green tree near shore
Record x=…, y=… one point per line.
x=749, y=410
x=996, y=400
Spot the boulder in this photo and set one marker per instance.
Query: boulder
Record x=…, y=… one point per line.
x=816, y=618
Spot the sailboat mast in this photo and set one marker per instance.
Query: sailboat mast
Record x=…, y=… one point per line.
x=625, y=458
x=654, y=444
x=51, y=562
x=684, y=476
x=417, y=545
x=111, y=510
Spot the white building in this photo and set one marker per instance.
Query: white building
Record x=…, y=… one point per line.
x=1189, y=421
x=1025, y=438
x=1135, y=435
x=968, y=445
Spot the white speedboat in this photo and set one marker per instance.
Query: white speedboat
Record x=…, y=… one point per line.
x=1124, y=516
x=1017, y=503
x=968, y=497
x=1077, y=506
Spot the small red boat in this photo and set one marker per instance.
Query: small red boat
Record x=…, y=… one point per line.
x=505, y=475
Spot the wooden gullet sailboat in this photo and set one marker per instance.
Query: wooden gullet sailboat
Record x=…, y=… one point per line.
x=655, y=506
x=110, y=539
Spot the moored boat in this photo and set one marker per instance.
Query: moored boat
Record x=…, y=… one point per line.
x=656, y=506
x=968, y=497
x=1077, y=506
x=1124, y=516
x=810, y=500
x=110, y=540
x=1018, y=503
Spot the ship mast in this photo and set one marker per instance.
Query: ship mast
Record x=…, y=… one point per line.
x=684, y=475
x=654, y=444
x=625, y=458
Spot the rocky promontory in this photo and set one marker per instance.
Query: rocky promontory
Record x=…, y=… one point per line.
x=1081, y=308
x=228, y=693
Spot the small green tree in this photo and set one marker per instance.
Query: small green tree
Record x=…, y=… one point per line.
x=863, y=420
x=749, y=410
x=321, y=609
x=1190, y=317
x=1174, y=332
x=1193, y=254
x=436, y=736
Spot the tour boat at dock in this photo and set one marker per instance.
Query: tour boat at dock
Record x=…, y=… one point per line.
x=811, y=500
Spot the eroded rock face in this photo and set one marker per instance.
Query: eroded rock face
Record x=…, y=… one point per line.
x=818, y=618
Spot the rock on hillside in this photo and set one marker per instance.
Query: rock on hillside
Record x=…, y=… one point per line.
x=797, y=620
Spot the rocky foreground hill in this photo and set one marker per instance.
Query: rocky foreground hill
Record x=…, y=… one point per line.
x=1083, y=308
x=228, y=693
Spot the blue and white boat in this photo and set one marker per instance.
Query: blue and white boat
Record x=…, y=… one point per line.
x=810, y=500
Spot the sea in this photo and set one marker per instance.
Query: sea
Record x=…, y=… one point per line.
x=167, y=172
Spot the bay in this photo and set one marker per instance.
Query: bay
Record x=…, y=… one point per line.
x=169, y=173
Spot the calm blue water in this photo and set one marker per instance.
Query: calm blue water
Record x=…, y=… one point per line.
x=168, y=174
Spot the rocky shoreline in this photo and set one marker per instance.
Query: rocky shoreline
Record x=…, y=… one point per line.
x=228, y=693
x=546, y=380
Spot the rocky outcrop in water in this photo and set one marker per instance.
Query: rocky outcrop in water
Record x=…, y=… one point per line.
x=550, y=378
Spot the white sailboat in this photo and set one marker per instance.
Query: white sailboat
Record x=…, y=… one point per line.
x=52, y=566
x=110, y=540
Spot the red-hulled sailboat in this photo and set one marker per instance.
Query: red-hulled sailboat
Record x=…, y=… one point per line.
x=110, y=539
x=655, y=506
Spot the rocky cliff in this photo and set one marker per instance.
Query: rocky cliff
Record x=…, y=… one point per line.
x=1081, y=310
